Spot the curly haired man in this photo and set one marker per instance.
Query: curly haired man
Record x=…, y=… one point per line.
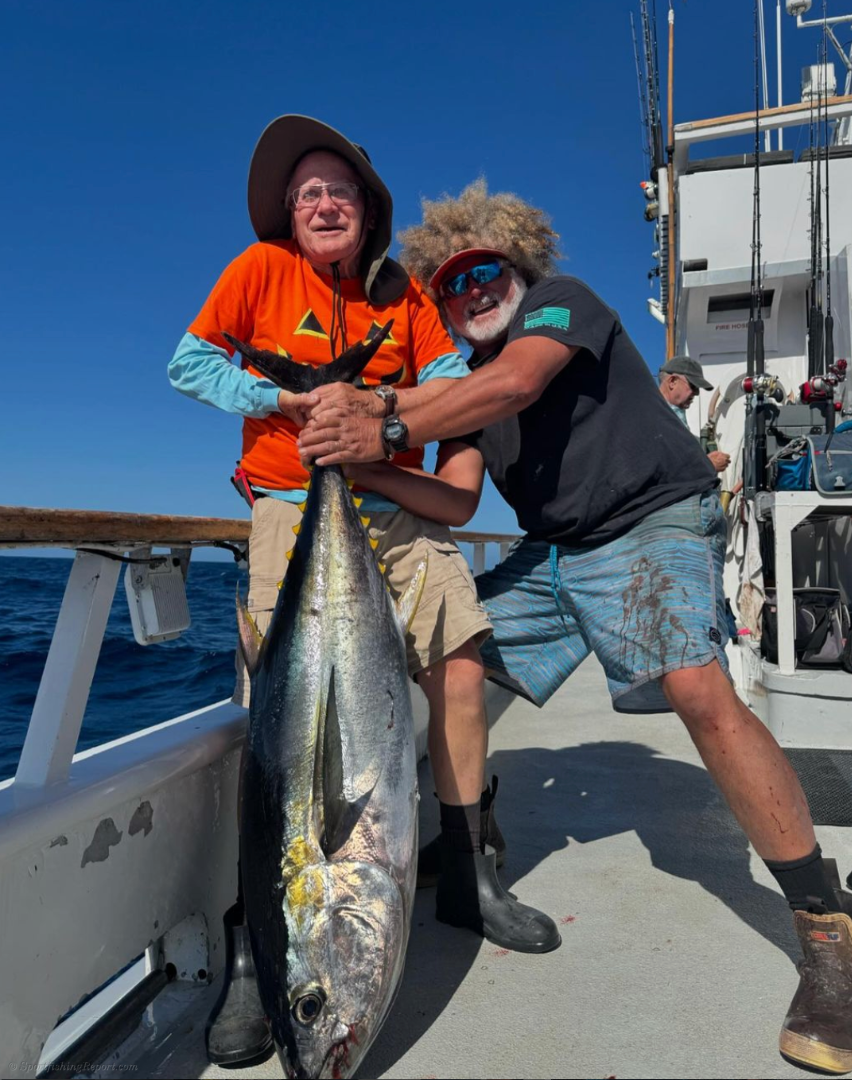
x=624, y=544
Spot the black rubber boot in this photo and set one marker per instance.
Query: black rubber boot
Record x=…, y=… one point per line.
x=429, y=856
x=237, y=1033
x=469, y=895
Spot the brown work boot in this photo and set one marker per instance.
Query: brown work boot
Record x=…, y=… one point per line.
x=817, y=1030
x=429, y=856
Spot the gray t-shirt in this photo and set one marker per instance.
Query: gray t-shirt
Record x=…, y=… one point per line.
x=601, y=449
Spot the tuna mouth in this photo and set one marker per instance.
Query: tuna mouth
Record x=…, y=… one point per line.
x=337, y=1063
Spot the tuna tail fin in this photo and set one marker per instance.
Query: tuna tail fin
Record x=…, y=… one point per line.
x=251, y=638
x=407, y=604
x=302, y=378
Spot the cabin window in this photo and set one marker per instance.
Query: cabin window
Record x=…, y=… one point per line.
x=735, y=308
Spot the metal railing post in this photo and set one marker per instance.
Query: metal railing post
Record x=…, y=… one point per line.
x=68, y=671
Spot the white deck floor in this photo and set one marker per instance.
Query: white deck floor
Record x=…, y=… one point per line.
x=678, y=950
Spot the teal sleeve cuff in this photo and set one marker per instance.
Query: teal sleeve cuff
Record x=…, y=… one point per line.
x=448, y=366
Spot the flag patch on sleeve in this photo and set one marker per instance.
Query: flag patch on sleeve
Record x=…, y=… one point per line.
x=558, y=317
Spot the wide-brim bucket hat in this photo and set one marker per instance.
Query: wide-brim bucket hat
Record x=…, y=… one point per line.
x=284, y=141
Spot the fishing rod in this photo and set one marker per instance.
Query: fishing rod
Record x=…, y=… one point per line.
x=828, y=347
x=644, y=108
x=671, y=221
x=825, y=374
x=755, y=384
x=819, y=356
x=648, y=80
x=652, y=62
x=812, y=313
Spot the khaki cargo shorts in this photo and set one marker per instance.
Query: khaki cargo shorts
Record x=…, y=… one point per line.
x=449, y=613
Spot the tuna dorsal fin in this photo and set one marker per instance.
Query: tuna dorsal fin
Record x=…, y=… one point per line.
x=251, y=638
x=302, y=378
x=406, y=606
x=340, y=816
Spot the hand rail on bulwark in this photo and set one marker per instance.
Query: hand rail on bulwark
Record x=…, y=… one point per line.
x=29, y=526
x=98, y=537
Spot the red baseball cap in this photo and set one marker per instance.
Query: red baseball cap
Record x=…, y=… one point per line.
x=448, y=264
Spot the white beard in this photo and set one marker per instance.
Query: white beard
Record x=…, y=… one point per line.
x=485, y=329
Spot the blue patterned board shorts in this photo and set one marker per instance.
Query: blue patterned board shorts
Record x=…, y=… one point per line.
x=647, y=603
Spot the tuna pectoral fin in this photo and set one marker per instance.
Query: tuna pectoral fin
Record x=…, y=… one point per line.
x=406, y=606
x=340, y=814
x=251, y=638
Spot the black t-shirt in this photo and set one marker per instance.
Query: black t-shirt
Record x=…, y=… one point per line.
x=601, y=449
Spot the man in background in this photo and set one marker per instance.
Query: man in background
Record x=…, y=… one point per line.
x=680, y=380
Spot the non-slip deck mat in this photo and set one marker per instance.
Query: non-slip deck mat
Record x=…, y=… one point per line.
x=826, y=776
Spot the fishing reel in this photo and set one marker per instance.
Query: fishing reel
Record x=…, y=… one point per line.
x=652, y=210
x=822, y=387
x=764, y=386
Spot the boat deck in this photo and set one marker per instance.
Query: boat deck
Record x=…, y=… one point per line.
x=678, y=950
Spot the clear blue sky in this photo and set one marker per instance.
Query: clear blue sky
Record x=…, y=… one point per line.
x=127, y=130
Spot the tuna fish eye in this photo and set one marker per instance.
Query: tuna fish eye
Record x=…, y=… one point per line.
x=308, y=1007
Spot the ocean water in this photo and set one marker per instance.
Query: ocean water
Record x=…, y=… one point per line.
x=134, y=685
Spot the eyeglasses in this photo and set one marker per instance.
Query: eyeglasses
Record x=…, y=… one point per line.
x=481, y=275
x=341, y=193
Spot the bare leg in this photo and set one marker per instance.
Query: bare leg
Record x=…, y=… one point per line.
x=746, y=762
x=458, y=732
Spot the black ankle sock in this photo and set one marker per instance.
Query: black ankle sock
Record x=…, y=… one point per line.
x=806, y=884
x=460, y=826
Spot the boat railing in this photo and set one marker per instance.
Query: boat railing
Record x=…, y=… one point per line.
x=125, y=853
x=799, y=114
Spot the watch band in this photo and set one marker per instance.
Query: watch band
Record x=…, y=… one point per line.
x=388, y=396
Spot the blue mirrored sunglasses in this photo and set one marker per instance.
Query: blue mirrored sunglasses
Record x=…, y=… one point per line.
x=481, y=275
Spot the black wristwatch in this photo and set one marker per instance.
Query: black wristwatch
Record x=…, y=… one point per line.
x=394, y=436
x=388, y=396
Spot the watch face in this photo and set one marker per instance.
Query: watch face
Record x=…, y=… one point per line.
x=395, y=431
